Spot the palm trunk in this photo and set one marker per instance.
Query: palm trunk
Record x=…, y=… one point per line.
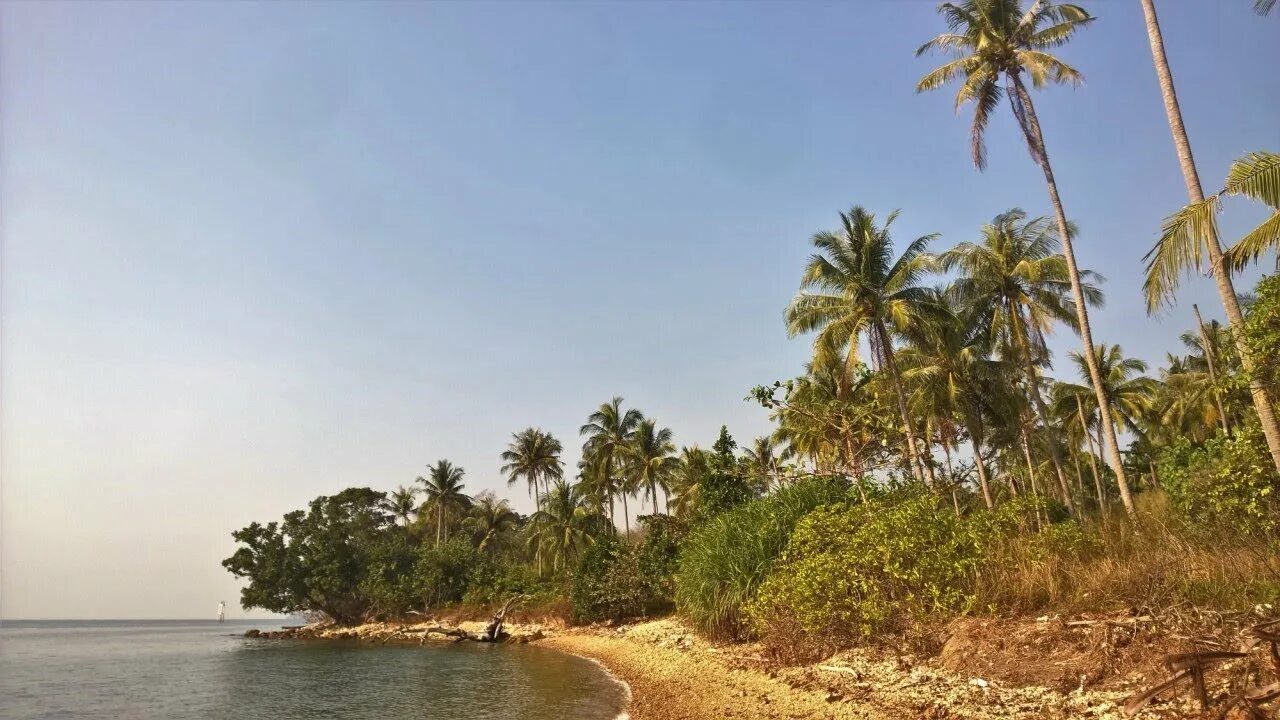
x=1031, y=472
x=1093, y=460
x=915, y=461
x=439, y=522
x=1077, y=292
x=1042, y=414
x=951, y=477
x=1213, y=369
x=626, y=515
x=1221, y=273
x=980, y=463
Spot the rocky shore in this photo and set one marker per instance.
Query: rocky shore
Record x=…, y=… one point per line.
x=676, y=675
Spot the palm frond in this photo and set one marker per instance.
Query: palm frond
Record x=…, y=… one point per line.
x=1256, y=176
x=1179, y=250
x=1253, y=245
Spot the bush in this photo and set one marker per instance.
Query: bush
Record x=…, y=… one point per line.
x=614, y=580
x=851, y=571
x=1228, y=482
x=442, y=574
x=725, y=559
x=1262, y=333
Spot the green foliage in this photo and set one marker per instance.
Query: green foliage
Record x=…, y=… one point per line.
x=854, y=570
x=441, y=574
x=725, y=484
x=1226, y=482
x=614, y=580
x=316, y=560
x=1262, y=333
x=725, y=559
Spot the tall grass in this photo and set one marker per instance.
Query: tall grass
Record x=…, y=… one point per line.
x=724, y=561
x=1159, y=561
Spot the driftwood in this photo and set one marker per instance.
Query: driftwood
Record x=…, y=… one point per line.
x=1193, y=665
x=493, y=631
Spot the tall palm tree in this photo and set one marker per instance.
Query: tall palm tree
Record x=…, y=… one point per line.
x=1017, y=285
x=1129, y=393
x=1177, y=259
x=608, y=431
x=534, y=455
x=443, y=488
x=649, y=460
x=401, y=503
x=853, y=286
x=764, y=459
x=991, y=40
x=490, y=517
x=563, y=525
x=686, y=484
x=950, y=370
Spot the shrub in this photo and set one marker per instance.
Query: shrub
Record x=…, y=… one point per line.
x=606, y=583
x=441, y=574
x=1228, y=482
x=725, y=559
x=1262, y=333
x=851, y=571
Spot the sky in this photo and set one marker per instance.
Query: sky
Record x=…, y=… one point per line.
x=253, y=254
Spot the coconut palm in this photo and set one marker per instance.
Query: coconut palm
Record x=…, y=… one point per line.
x=1195, y=228
x=1017, y=285
x=534, y=455
x=951, y=372
x=763, y=457
x=994, y=40
x=686, y=483
x=563, y=525
x=853, y=286
x=608, y=431
x=443, y=488
x=489, y=518
x=649, y=461
x=401, y=503
x=1129, y=393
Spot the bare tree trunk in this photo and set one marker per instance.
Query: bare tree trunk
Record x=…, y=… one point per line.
x=1042, y=414
x=1221, y=272
x=1031, y=472
x=915, y=461
x=1093, y=460
x=951, y=477
x=1112, y=445
x=982, y=469
x=1213, y=370
x=626, y=516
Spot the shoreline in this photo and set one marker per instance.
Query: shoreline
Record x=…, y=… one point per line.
x=668, y=672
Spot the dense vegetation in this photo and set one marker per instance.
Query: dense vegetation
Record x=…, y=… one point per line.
x=925, y=463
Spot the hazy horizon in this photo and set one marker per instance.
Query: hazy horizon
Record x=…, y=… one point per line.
x=256, y=253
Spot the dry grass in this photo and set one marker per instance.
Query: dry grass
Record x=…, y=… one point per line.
x=1156, y=563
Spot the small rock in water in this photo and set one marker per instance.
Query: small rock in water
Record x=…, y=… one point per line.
x=252, y=633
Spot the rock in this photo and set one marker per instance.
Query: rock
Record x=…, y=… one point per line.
x=252, y=633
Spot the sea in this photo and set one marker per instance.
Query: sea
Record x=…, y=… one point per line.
x=189, y=669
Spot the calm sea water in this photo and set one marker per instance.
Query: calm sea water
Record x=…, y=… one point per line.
x=196, y=669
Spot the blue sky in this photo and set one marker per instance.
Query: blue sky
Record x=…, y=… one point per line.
x=257, y=253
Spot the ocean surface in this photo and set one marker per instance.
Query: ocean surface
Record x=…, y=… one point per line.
x=182, y=669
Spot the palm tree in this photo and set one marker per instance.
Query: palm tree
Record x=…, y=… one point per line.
x=1017, y=285
x=992, y=40
x=951, y=372
x=853, y=286
x=1129, y=393
x=649, y=460
x=1173, y=261
x=563, y=525
x=534, y=454
x=443, y=488
x=608, y=431
x=401, y=503
x=1263, y=7
x=686, y=484
x=489, y=518
x=763, y=458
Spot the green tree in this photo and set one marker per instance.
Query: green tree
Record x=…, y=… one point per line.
x=443, y=488
x=1128, y=392
x=564, y=525
x=724, y=485
x=649, y=460
x=316, y=560
x=608, y=431
x=991, y=40
x=854, y=286
x=1017, y=285
x=401, y=503
x=534, y=455
x=489, y=518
